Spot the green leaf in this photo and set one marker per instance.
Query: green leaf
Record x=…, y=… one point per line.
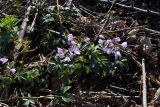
x=65, y=88
x=78, y=65
x=121, y=64
x=8, y=22
x=29, y=101
x=67, y=98
x=113, y=72
x=87, y=69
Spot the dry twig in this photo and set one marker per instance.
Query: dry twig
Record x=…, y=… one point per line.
x=23, y=28
x=144, y=84
x=34, y=21
x=150, y=12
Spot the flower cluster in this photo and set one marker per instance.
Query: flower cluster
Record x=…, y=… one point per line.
x=111, y=46
x=5, y=60
x=73, y=50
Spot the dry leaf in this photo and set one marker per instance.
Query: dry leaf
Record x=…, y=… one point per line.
x=156, y=96
x=133, y=32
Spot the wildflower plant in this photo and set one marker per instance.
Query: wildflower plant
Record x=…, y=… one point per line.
x=81, y=55
x=112, y=46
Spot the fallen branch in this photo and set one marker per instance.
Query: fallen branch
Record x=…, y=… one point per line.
x=39, y=97
x=150, y=12
x=151, y=30
x=49, y=30
x=89, y=11
x=119, y=30
x=123, y=89
x=114, y=96
x=144, y=100
x=23, y=28
x=107, y=19
x=34, y=21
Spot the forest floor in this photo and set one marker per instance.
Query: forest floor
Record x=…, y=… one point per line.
x=136, y=22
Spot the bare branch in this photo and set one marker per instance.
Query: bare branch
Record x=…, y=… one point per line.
x=150, y=12
x=144, y=84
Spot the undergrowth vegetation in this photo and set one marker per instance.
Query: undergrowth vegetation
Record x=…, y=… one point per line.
x=65, y=49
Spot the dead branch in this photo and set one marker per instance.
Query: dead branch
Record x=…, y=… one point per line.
x=123, y=89
x=49, y=30
x=23, y=27
x=39, y=97
x=89, y=11
x=34, y=21
x=144, y=84
x=107, y=19
x=150, y=12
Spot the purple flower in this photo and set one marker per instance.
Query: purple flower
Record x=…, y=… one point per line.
x=124, y=44
x=68, y=3
x=60, y=50
x=75, y=50
x=100, y=41
x=66, y=59
x=109, y=43
x=13, y=70
x=109, y=50
x=117, y=39
x=71, y=54
x=60, y=53
x=3, y=60
x=71, y=40
x=117, y=55
x=87, y=40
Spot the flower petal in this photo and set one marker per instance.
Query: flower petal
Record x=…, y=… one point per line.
x=13, y=70
x=75, y=50
x=71, y=40
x=100, y=41
x=117, y=39
x=68, y=3
x=109, y=43
x=3, y=60
x=87, y=40
x=117, y=55
x=109, y=50
x=66, y=59
x=60, y=50
x=124, y=44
